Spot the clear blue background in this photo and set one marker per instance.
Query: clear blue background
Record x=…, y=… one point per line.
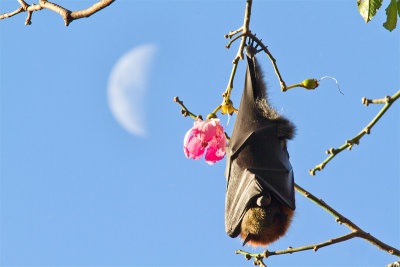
x=77, y=189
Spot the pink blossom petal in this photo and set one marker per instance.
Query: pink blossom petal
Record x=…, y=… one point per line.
x=206, y=130
x=215, y=151
x=186, y=139
x=193, y=148
x=222, y=142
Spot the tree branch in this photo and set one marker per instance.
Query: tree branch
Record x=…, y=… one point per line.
x=66, y=14
x=7, y=15
x=356, y=140
x=356, y=232
x=91, y=10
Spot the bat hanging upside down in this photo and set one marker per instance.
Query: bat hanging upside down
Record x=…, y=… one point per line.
x=260, y=186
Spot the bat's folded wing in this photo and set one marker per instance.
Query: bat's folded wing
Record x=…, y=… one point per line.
x=238, y=194
x=248, y=185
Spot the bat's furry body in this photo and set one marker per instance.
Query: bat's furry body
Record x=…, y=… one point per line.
x=267, y=214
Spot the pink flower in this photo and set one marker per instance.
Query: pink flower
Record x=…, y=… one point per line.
x=205, y=135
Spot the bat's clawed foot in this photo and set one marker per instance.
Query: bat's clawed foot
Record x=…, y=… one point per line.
x=251, y=49
x=250, y=41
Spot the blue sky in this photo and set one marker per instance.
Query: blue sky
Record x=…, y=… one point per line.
x=77, y=189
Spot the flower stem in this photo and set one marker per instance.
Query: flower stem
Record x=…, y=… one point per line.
x=216, y=110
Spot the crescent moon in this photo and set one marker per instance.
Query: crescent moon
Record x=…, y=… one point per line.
x=127, y=86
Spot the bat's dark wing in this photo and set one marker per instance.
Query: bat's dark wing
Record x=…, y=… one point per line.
x=256, y=161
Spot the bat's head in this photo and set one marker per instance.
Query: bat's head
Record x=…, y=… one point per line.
x=265, y=221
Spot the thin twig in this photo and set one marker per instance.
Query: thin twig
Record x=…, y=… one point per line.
x=234, y=39
x=28, y=19
x=7, y=15
x=185, y=112
x=356, y=140
x=66, y=14
x=233, y=33
x=366, y=101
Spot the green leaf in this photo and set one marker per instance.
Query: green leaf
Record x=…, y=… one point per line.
x=398, y=7
x=368, y=8
x=391, y=12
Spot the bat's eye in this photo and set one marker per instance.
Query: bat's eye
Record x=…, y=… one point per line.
x=264, y=200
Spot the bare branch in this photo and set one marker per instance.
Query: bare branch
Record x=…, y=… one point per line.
x=366, y=101
x=7, y=15
x=67, y=15
x=356, y=140
x=185, y=112
x=91, y=10
x=233, y=33
x=28, y=19
x=356, y=232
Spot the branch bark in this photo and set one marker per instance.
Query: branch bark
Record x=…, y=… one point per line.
x=67, y=15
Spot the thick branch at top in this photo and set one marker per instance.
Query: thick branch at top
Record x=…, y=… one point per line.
x=66, y=14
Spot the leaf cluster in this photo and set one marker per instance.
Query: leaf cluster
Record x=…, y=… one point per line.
x=368, y=9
